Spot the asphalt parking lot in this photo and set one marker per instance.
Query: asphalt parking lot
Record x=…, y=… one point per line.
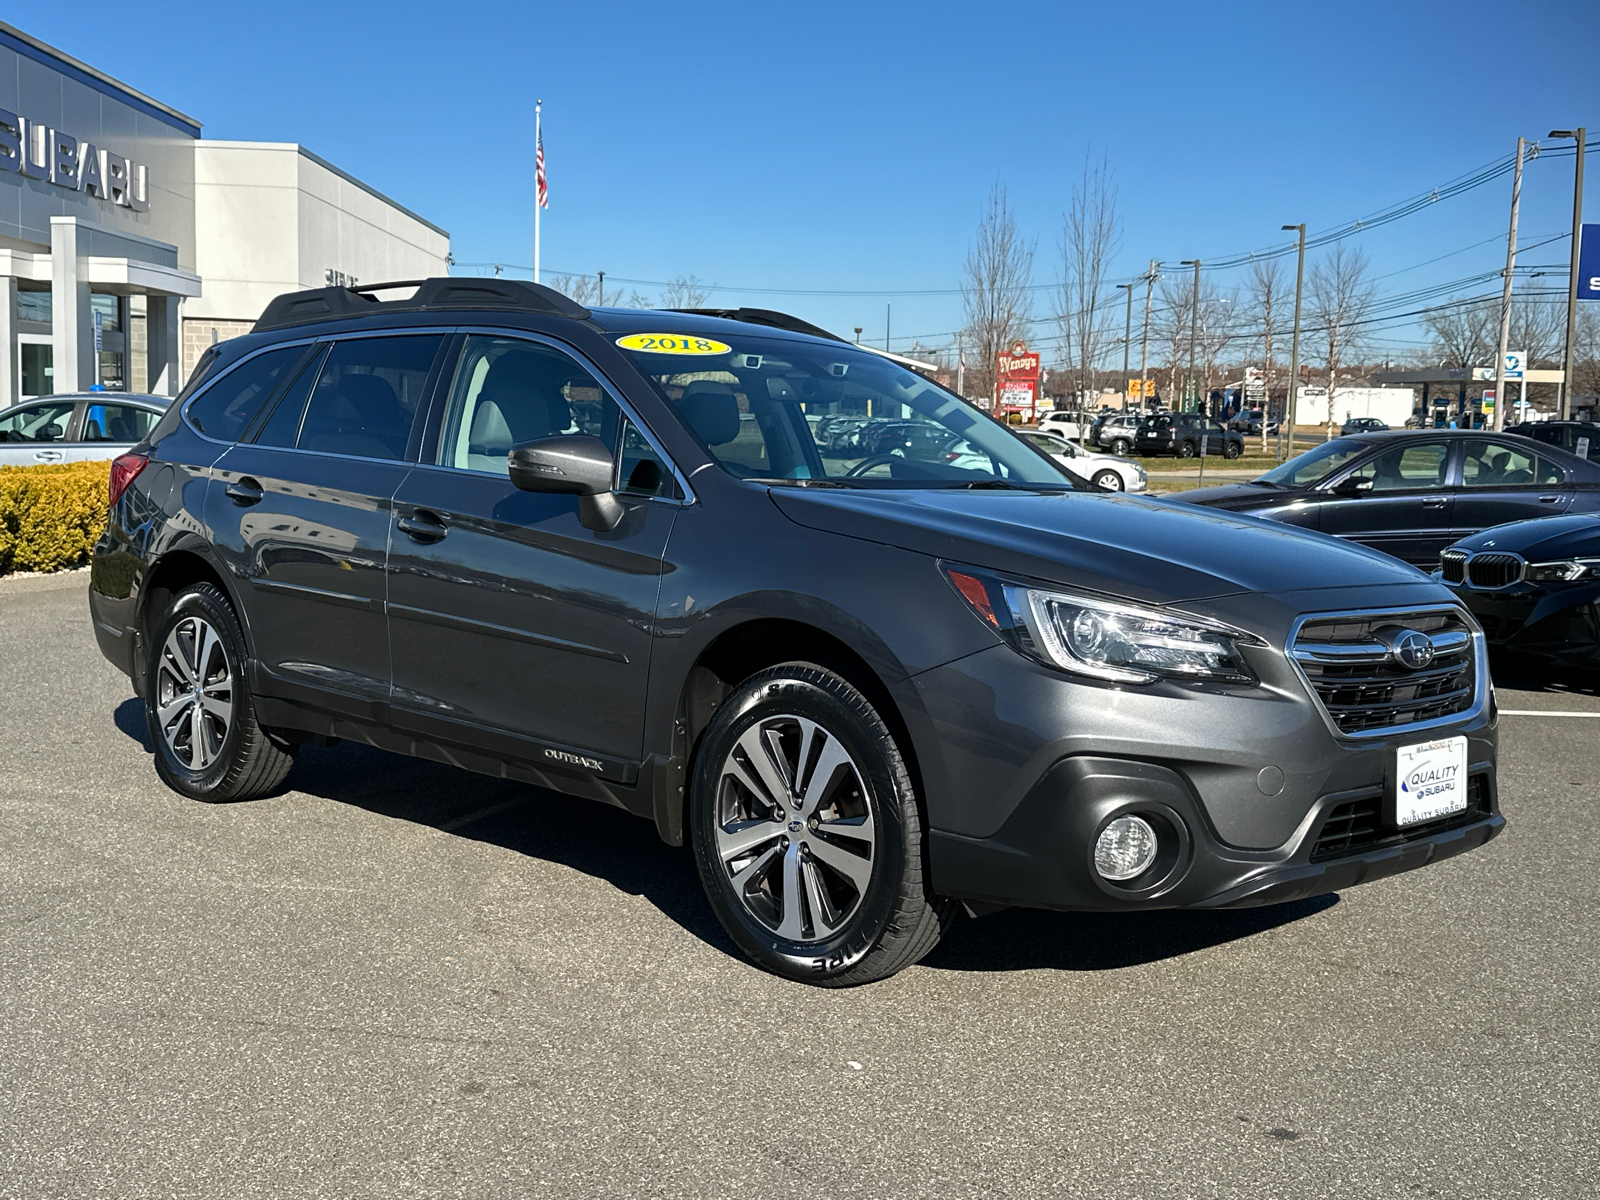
x=397, y=979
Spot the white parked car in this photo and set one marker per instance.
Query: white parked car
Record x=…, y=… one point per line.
x=1062, y=424
x=1114, y=474
x=76, y=428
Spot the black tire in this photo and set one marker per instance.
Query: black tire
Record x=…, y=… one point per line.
x=1186, y=449
x=245, y=762
x=1120, y=447
x=1109, y=480
x=893, y=920
x=1232, y=450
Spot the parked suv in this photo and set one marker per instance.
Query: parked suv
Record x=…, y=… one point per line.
x=1181, y=434
x=1114, y=432
x=601, y=551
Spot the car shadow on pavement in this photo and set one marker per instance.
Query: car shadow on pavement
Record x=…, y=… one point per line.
x=609, y=844
x=1527, y=675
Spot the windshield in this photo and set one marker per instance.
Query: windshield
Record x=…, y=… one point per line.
x=802, y=412
x=1313, y=465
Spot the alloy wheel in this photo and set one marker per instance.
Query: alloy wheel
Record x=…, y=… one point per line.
x=194, y=693
x=794, y=828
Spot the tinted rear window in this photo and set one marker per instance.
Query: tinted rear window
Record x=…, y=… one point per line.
x=226, y=407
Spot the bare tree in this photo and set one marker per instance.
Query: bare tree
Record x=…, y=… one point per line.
x=1586, y=353
x=1217, y=329
x=995, y=292
x=1464, y=335
x=1174, y=323
x=1537, y=327
x=1090, y=235
x=685, y=291
x=1267, y=288
x=1341, y=294
x=576, y=287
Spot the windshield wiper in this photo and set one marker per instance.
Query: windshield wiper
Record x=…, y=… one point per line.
x=1003, y=485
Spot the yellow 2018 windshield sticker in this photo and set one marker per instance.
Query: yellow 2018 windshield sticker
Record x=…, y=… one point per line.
x=671, y=343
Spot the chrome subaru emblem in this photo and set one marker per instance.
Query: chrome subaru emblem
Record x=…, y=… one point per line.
x=1412, y=650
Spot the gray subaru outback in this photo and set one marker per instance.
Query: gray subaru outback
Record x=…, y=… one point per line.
x=604, y=551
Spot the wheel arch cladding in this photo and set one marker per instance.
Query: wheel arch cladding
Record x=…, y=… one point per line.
x=170, y=575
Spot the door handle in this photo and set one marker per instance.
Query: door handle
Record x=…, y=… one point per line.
x=245, y=492
x=1434, y=501
x=1549, y=499
x=48, y=456
x=423, y=527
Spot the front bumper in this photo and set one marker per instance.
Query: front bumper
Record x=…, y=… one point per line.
x=1043, y=856
x=1560, y=623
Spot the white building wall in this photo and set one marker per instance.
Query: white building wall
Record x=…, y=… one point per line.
x=1392, y=405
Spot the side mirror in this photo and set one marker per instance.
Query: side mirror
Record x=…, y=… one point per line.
x=574, y=464
x=1354, y=486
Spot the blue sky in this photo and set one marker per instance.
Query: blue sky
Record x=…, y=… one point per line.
x=849, y=147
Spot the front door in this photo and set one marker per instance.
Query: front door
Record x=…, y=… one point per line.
x=513, y=627
x=301, y=511
x=1505, y=481
x=1407, y=512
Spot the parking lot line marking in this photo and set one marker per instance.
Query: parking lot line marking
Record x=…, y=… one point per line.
x=480, y=815
x=1545, y=712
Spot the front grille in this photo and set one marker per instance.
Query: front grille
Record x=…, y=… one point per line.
x=1356, y=674
x=1454, y=565
x=1494, y=570
x=1358, y=825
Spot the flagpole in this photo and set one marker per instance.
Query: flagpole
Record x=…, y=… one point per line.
x=537, y=104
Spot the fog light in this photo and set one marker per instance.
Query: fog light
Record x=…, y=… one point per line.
x=1126, y=848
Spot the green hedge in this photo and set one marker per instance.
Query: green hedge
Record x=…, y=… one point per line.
x=50, y=516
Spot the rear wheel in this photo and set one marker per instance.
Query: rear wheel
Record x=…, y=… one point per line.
x=1186, y=449
x=1232, y=450
x=1109, y=480
x=1120, y=447
x=807, y=834
x=199, y=709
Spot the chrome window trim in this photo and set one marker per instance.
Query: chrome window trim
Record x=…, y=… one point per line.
x=1482, y=687
x=610, y=389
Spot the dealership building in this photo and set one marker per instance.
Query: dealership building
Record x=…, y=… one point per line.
x=129, y=243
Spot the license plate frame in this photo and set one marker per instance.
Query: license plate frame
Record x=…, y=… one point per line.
x=1430, y=781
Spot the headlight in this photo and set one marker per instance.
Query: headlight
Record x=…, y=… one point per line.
x=1568, y=571
x=1121, y=642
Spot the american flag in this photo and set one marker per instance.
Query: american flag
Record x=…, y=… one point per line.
x=540, y=187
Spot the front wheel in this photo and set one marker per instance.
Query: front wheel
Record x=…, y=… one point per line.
x=1109, y=480
x=1186, y=450
x=198, y=705
x=1120, y=447
x=807, y=834
x=1232, y=450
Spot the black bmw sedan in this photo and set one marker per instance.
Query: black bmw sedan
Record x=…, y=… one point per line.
x=1411, y=493
x=1534, y=587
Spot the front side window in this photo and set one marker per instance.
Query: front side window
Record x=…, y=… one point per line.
x=1495, y=464
x=507, y=391
x=227, y=406
x=1405, y=467
x=117, y=423
x=790, y=411
x=45, y=422
x=367, y=395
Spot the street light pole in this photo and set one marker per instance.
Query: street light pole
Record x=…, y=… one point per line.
x=1127, y=342
x=1505, y=297
x=602, y=302
x=1194, y=325
x=1292, y=400
x=1577, y=135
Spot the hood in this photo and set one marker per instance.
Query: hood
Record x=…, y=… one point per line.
x=1238, y=497
x=1543, y=539
x=1113, y=543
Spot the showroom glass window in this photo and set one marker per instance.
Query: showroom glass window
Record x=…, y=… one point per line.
x=507, y=390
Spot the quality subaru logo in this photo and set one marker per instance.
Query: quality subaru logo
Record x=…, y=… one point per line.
x=1413, y=650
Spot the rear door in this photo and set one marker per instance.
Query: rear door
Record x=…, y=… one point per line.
x=300, y=510
x=1407, y=512
x=1507, y=480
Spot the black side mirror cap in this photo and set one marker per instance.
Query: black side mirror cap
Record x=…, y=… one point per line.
x=571, y=464
x=1355, y=486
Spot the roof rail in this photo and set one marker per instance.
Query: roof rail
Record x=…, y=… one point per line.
x=763, y=316
x=337, y=303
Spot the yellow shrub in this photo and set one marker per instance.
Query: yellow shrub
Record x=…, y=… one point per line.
x=50, y=516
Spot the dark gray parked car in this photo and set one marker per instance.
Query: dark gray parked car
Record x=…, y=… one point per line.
x=601, y=551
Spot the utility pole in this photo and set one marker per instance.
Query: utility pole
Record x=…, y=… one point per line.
x=1194, y=325
x=1127, y=342
x=602, y=301
x=1144, y=344
x=1291, y=401
x=1578, y=135
x=961, y=366
x=888, y=311
x=1505, y=297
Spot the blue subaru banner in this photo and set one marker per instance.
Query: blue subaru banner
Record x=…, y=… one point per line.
x=1589, y=264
